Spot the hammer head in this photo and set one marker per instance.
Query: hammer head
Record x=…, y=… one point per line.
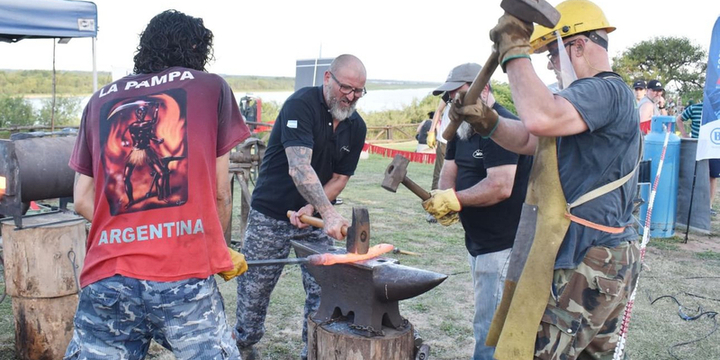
x=395, y=173
x=358, y=234
x=536, y=11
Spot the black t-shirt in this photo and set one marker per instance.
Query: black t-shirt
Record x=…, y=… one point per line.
x=305, y=120
x=488, y=228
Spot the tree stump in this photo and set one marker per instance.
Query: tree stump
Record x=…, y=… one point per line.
x=42, y=262
x=337, y=341
x=43, y=327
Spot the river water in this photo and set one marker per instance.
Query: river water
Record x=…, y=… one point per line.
x=375, y=100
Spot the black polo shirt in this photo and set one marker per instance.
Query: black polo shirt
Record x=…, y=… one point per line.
x=488, y=228
x=305, y=120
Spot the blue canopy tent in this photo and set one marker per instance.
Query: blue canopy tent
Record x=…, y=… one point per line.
x=45, y=19
x=23, y=19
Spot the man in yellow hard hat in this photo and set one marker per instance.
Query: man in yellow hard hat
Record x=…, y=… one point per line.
x=583, y=258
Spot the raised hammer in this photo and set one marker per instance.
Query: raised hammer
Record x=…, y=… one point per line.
x=396, y=173
x=536, y=11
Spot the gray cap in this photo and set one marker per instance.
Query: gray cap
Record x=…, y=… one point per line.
x=458, y=76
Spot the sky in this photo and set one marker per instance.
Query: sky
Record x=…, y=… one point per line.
x=396, y=39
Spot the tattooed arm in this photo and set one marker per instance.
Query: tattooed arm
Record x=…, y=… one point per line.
x=309, y=186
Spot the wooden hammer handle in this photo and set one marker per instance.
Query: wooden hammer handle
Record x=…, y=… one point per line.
x=316, y=222
x=471, y=97
x=415, y=188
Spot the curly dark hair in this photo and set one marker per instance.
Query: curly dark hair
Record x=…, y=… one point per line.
x=170, y=39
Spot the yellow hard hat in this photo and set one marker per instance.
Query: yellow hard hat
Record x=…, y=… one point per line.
x=576, y=16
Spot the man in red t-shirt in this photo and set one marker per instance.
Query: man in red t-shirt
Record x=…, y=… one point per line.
x=152, y=175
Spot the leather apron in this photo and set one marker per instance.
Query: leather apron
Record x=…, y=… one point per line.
x=540, y=233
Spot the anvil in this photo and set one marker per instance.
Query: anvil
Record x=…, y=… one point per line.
x=366, y=292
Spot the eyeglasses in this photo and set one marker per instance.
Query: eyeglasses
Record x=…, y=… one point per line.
x=552, y=54
x=347, y=89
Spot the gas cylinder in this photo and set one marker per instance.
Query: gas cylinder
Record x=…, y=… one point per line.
x=662, y=220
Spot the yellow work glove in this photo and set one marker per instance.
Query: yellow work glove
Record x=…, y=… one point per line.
x=481, y=117
x=512, y=39
x=441, y=203
x=431, y=142
x=449, y=219
x=240, y=266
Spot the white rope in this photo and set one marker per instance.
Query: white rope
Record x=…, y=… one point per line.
x=620, y=348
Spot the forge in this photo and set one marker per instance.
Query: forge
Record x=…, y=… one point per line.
x=35, y=166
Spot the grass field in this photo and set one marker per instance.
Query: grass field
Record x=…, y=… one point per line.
x=688, y=273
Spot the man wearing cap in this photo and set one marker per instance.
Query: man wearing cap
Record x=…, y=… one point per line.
x=640, y=89
x=569, y=291
x=486, y=184
x=653, y=104
x=458, y=76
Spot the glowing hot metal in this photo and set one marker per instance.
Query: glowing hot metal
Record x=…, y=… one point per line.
x=327, y=259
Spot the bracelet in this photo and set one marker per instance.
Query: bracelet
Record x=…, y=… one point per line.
x=661, y=107
x=489, y=135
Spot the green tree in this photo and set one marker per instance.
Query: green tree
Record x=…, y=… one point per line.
x=503, y=96
x=67, y=110
x=15, y=111
x=14, y=82
x=676, y=62
x=270, y=111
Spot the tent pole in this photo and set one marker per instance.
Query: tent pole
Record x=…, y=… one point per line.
x=692, y=195
x=52, y=110
x=95, y=77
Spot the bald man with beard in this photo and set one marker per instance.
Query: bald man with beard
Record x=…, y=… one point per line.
x=314, y=148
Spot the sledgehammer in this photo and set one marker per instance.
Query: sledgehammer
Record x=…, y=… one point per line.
x=536, y=11
x=396, y=173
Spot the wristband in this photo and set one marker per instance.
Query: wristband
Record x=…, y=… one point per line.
x=513, y=57
x=491, y=131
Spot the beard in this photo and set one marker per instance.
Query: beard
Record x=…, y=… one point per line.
x=336, y=106
x=465, y=131
x=338, y=113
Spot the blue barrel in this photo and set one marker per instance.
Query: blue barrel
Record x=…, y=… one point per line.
x=662, y=221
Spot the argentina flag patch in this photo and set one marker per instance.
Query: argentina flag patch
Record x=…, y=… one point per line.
x=292, y=124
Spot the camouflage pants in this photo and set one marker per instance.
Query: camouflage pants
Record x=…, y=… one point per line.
x=584, y=312
x=118, y=316
x=268, y=238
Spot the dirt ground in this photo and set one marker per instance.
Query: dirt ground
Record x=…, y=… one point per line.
x=700, y=243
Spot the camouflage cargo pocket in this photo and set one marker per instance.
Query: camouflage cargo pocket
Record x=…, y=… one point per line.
x=609, y=287
x=557, y=333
